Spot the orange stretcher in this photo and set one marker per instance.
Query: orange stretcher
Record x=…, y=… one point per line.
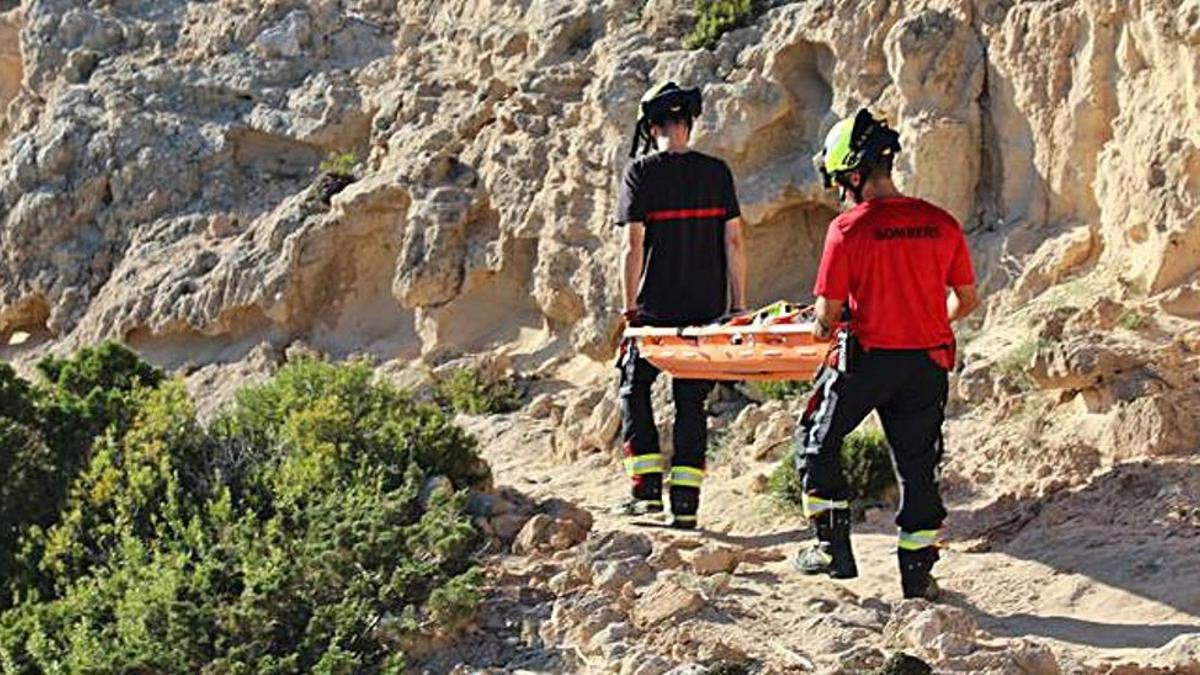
x=772, y=343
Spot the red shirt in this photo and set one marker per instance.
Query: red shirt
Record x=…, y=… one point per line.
x=893, y=258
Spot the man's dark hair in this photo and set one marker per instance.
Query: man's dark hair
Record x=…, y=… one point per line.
x=685, y=119
x=882, y=168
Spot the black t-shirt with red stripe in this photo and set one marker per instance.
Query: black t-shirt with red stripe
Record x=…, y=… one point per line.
x=684, y=200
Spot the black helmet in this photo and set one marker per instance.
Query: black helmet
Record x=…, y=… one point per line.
x=660, y=104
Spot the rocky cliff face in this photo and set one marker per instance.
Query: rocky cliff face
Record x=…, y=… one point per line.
x=159, y=163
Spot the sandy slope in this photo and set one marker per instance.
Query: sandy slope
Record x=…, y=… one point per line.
x=1096, y=590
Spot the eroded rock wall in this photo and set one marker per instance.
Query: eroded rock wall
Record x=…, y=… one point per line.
x=159, y=160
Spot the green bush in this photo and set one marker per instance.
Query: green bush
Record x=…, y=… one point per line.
x=1131, y=320
x=1017, y=361
x=780, y=390
x=17, y=397
x=786, y=485
x=46, y=436
x=107, y=368
x=470, y=390
x=287, y=537
x=28, y=479
x=340, y=164
x=144, y=485
x=716, y=17
x=866, y=461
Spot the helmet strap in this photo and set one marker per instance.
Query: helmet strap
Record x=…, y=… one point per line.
x=847, y=185
x=642, y=141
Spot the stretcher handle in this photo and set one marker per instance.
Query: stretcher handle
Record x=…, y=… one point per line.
x=702, y=331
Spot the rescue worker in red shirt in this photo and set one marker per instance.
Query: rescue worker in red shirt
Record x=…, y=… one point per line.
x=684, y=265
x=890, y=259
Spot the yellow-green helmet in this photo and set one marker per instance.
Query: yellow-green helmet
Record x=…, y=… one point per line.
x=855, y=144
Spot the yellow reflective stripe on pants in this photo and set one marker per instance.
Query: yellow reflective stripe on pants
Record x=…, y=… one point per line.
x=686, y=476
x=915, y=541
x=639, y=465
x=814, y=505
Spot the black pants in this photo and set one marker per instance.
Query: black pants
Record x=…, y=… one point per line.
x=643, y=459
x=909, y=391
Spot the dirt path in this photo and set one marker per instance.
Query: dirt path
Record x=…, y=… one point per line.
x=1096, y=595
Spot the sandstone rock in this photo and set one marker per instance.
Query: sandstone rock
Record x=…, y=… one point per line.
x=611, y=634
x=665, y=558
x=541, y=407
x=563, y=582
x=1183, y=301
x=616, y=545
x=714, y=558
x=665, y=601
x=1056, y=259
x=936, y=61
x=1180, y=655
x=644, y=664
x=1156, y=426
x=1183, y=649
x=535, y=535
x=566, y=511
x=615, y=574
x=689, y=669
x=903, y=664
x=1082, y=362
x=933, y=632
x=558, y=526
x=509, y=525
x=545, y=534
x=774, y=439
x=722, y=652
x=288, y=38
x=832, y=634
x=10, y=62
x=577, y=617
x=566, y=534
x=863, y=658
x=1102, y=315
x=760, y=484
x=589, y=423
x=1016, y=656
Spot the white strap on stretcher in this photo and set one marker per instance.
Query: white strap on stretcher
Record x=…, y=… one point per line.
x=703, y=331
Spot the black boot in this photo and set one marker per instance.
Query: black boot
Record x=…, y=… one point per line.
x=831, y=554
x=915, y=567
x=685, y=504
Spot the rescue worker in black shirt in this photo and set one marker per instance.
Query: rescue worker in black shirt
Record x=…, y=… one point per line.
x=684, y=264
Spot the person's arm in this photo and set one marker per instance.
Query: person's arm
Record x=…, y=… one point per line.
x=631, y=269
x=833, y=282
x=735, y=256
x=961, y=301
x=960, y=277
x=828, y=312
x=631, y=212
